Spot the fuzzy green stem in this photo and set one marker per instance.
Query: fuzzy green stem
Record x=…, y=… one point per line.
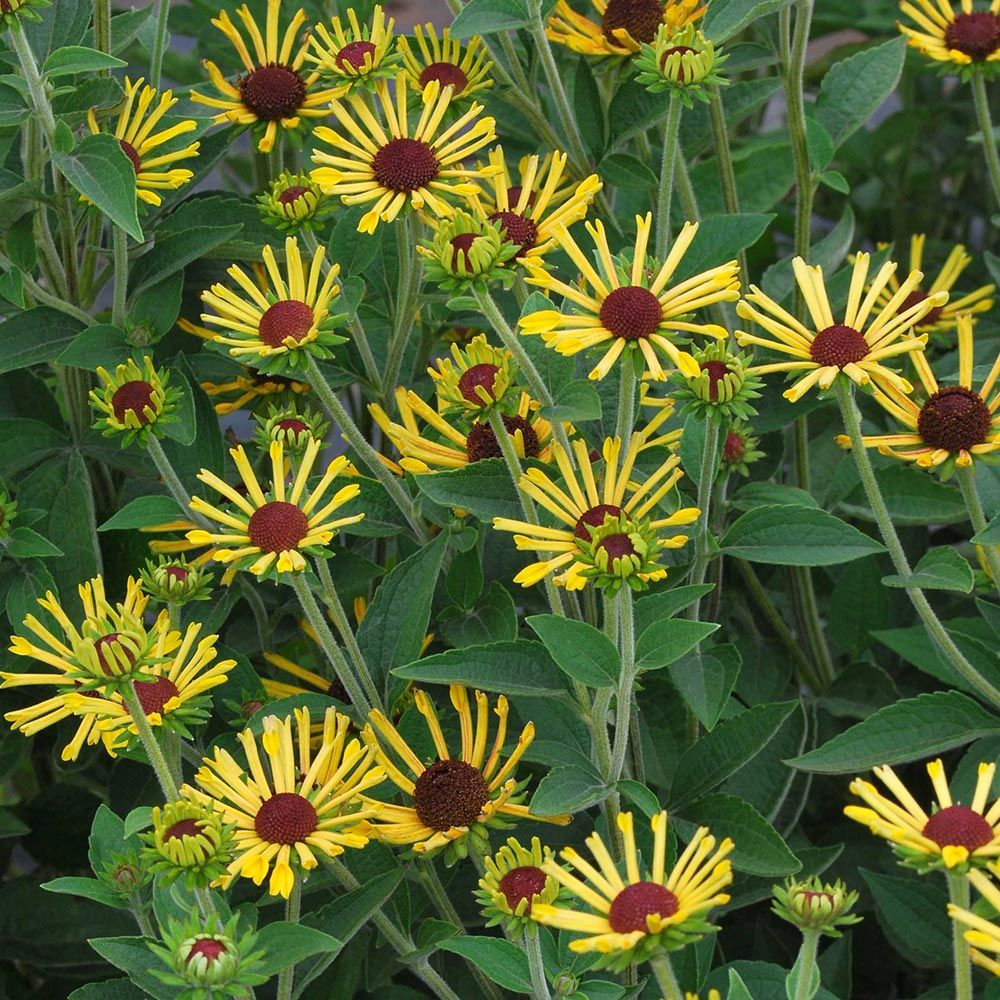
x=724, y=161
x=159, y=44
x=135, y=904
x=990, y=153
x=991, y=553
x=102, y=29
x=794, y=81
x=536, y=967
x=147, y=737
x=36, y=85
x=958, y=894
x=626, y=682
x=626, y=402
x=663, y=972
x=293, y=910
x=402, y=322
x=119, y=243
x=671, y=145
x=172, y=480
x=336, y=609
x=706, y=478
x=806, y=965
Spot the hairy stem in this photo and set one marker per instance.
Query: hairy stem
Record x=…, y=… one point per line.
x=668, y=162
x=990, y=153
x=147, y=737
x=663, y=972
x=626, y=682
x=405, y=304
x=536, y=967
x=958, y=893
x=119, y=243
x=293, y=910
x=159, y=44
x=991, y=553
x=806, y=965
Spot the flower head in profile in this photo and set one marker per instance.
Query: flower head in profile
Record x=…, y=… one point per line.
x=625, y=306
x=622, y=26
x=134, y=402
x=465, y=252
x=453, y=799
x=136, y=132
x=513, y=881
x=949, y=835
x=982, y=935
x=389, y=161
x=628, y=916
x=294, y=202
x=856, y=346
x=353, y=53
x=682, y=62
x=275, y=91
x=960, y=41
x=293, y=425
x=299, y=804
x=815, y=905
x=739, y=448
x=429, y=58
x=273, y=532
x=188, y=841
x=949, y=425
x=175, y=580
x=474, y=379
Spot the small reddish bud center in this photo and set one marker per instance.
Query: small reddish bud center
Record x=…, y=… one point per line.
x=638, y=901
x=287, y=319
x=182, y=828
x=734, y=447
x=813, y=896
x=517, y=229
x=293, y=426
x=522, y=883
x=277, y=526
x=450, y=793
x=838, y=345
x=292, y=194
x=130, y=151
x=153, y=695
x=617, y=546
x=594, y=518
x=482, y=376
x=958, y=826
x=110, y=650
x=631, y=313
x=482, y=442
x=915, y=298
x=133, y=397
x=447, y=74
x=272, y=92
x=954, y=419
x=285, y=818
x=178, y=573
x=208, y=948
x=682, y=49
x=640, y=18
x=976, y=34
x=353, y=55
x=717, y=371
x=460, y=247
x=250, y=708
x=404, y=165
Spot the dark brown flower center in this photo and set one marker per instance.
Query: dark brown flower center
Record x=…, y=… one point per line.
x=460, y=247
x=955, y=419
x=813, y=897
x=133, y=397
x=517, y=229
x=130, y=151
x=514, y=196
x=286, y=319
x=482, y=376
x=353, y=54
x=110, y=649
x=250, y=708
x=915, y=298
x=838, y=345
x=958, y=826
x=617, y=546
x=273, y=92
x=640, y=18
x=447, y=74
x=182, y=828
x=482, y=442
x=977, y=34
x=285, y=818
x=522, y=883
x=277, y=526
x=638, y=901
x=153, y=695
x=292, y=194
x=672, y=51
x=594, y=518
x=292, y=426
x=717, y=371
x=404, y=165
x=450, y=793
x=631, y=312
x=208, y=948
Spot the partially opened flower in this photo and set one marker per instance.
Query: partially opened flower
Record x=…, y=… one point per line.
x=824, y=347
x=958, y=39
x=454, y=798
x=682, y=62
x=466, y=252
x=513, y=881
x=626, y=306
x=464, y=68
x=623, y=24
x=949, y=835
x=628, y=917
x=294, y=202
x=353, y=52
x=983, y=935
x=951, y=425
x=302, y=803
x=136, y=132
x=725, y=384
x=174, y=580
x=275, y=90
x=474, y=379
x=134, y=402
x=293, y=425
x=272, y=532
x=188, y=840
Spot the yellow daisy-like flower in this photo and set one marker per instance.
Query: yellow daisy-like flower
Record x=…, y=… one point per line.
x=302, y=803
x=134, y=402
x=857, y=345
x=273, y=532
x=952, y=835
x=543, y=199
x=274, y=91
x=663, y=408
x=443, y=59
x=513, y=881
x=279, y=326
x=941, y=319
x=394, y=162
x=960, y=37
x=135, y=132
x=953, y=424
x=628, y=918
x=582, y=507
x=353, y=52
x=454, y=797
x=474, y=379
x=983, y=934
x=626, y=304
x=443, y=445
x=624, y=24
x=170, y=690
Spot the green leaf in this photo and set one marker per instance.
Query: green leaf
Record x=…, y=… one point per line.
x=493, y=618
x=487, y=17
x=101, y=345
x=789, y=535
x=912, y=497
x=941, y=568
x=705, y=681
x=87, y=888
x=910, y=729
x=737, y=988
x=990, y=535
x=175, y=251
x=143, y=512
x=836, y=181
x=820, y=144
x=513, y=668
x=35, y=335
x=580, y=650
x=504, y=962
x=764, y=175
x=109, y=989
x=768, y=494
x=913, y=914
x=11, y=826
x=666, y=641
x=131, y=955
x=623, y=170
x=100, y=170
x=576, y=402
x=286, y=944
x=483, y=488
x=651, y=609
x=725, y=749
x=726, y=18
x=567, y=789
x=24, y=543
x=78, y=59
x=140, y=818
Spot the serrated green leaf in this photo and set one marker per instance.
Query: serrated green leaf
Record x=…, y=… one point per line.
x=912, y=912
x=78, y=59
x=504, y=962
x=174, y=251
x=35, y=335
x=101, y=345
x=484, y=488
x=941, y=568
x=286, y=944
x=143, y=512
x=567, y=790
x=487, y=17
x=655, y=607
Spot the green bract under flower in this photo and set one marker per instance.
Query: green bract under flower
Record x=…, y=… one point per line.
x=622, y=551
x=513, y=880
x=174, y=580
x=295, y=427
x=683, y=62
x=466, y=251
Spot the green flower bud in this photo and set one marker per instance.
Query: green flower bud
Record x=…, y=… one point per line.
x=292, y=426
x=682, y=61
x=814, y=905
x=188, y=840
x=174, y=580
x=294, y=202
x=466, y=251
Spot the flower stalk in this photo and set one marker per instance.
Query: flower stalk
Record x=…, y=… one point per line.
x=293, y=910
x=970, y=493
x=536, y=967
x=668, y=162
x=150, y=744
x=959, y=895
x=992, y=157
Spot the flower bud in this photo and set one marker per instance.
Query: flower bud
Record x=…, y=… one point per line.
x=467, y=251
x=814, y=905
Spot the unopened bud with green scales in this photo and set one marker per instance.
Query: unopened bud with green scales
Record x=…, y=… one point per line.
x=134, y=402
x=8, y=511
x=209, y=960
x=125, y=873
x=724, y=384
x=295, y=202
x=512, y=881
x=466, y=251
x=622, y=551
x=683, y=61
x=475, y=379
x=739, y=449
x=815, y=905
x=173, y=580
x=189, y=841
x=293, y=426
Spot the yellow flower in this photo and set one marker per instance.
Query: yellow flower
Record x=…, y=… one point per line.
x=273, y=91
x=952, y=835
x=134, y=402
x=953, y=424
x=582, y=506
x=393, y=162
x=624, y=24
x=270, y=533
x=629, y=305
x=543, y=199
x=300, y=804
x=664, y=407
x=277, y=328
x=513, y=882
x=353, y=52
x=628, y=918
x=945, y=35
x=474, y=379
x=443, y=445
x=857, y=345
x=442, y=59
x=138, y=139
x=983, y=934
x=454, y=797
